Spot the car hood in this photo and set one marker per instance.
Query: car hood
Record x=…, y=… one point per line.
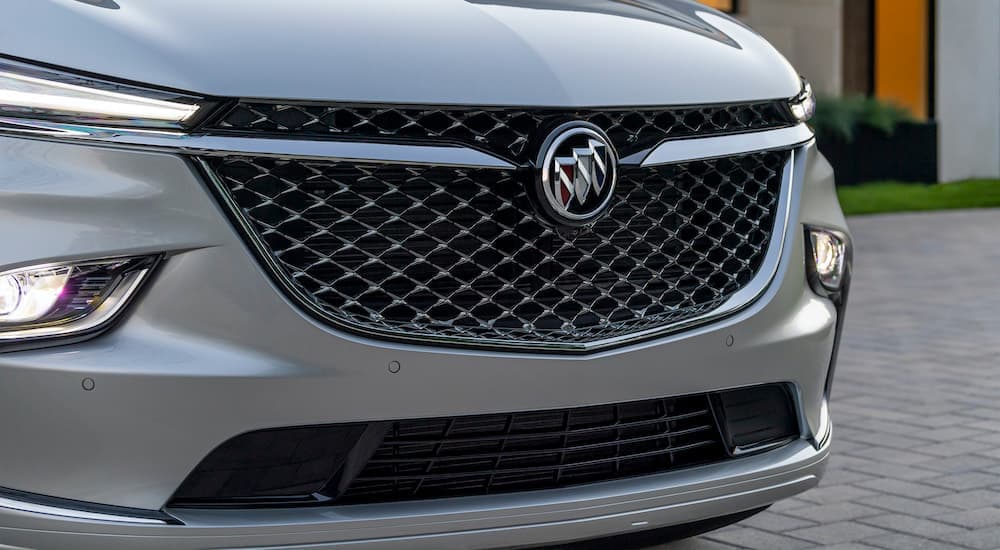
x=503, y=52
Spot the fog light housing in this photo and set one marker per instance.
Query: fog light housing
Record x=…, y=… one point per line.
x=829, y=264
x=828, y=252
x=827, y=260
x=67, y=298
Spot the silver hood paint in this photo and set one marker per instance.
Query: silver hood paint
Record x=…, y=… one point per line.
x=503, y=52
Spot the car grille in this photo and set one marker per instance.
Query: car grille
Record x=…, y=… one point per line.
x=501, y=453
x=506, y=132
x=427, y=458
x=460, y=253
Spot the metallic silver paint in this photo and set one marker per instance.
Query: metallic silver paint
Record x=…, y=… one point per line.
x=429, y=52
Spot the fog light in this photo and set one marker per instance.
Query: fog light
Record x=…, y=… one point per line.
x=38, y=291
x=70, y=298
x=828, y=252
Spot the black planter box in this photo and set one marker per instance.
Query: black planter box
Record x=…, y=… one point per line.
x=908, y=154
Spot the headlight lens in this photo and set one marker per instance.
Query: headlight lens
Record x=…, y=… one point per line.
x=828, y=254
x=32, y=92
x=63, y=299
x=803, y=106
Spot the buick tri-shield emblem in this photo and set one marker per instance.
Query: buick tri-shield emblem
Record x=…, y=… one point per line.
x=578, y=170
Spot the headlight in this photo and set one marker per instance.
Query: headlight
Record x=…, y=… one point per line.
x=67, y=298
x=803, y=106
x=39, y=93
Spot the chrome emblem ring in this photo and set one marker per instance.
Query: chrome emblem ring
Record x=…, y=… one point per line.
x=578, y=172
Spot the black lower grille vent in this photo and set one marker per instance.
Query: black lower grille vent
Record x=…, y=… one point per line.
x=484, y=454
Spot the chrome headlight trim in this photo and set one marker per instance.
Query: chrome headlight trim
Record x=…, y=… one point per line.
x=34, y=92
x=803, y=106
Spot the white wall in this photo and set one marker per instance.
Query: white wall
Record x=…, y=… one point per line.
x=968, y=88
x=807, y=32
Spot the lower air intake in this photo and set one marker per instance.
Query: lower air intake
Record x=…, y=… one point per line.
x=487, y=454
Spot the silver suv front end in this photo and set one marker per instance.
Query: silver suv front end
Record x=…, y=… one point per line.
x=287, y=323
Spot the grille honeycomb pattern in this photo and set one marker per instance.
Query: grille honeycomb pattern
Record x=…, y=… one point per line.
x=502, y=131
x=457, y=252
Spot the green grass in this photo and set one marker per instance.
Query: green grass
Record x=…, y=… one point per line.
x=877, y=197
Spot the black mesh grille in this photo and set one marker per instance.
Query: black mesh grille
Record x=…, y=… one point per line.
x=503, y=131
x=502, y=453
x=441, y=251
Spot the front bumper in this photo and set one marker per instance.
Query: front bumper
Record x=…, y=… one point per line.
x=212, y=349
x=475, y=522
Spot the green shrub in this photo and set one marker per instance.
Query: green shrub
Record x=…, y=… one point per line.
x=842, y=116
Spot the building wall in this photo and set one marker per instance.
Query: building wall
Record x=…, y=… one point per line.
x=902, y=45
x=968, y=88
x=807, y=32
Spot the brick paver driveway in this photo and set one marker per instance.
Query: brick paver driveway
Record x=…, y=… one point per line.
x=916, y=403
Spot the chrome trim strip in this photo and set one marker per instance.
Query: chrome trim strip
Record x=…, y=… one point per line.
x=35, y=508
x=754, y=449
x=220, y=145
x=741, y=299
x=686, y=150
x=825, y=429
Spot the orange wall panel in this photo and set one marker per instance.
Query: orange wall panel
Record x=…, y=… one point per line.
x=724, y=5
x=901, y=48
